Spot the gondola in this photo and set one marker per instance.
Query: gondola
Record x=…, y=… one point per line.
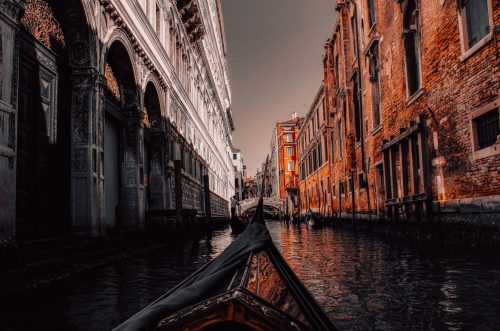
x=249, y=286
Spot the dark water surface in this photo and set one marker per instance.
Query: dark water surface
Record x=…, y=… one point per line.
x=363, y=283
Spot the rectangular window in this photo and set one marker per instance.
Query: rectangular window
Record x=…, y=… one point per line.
x=371, y=12
x=411, y=41
x=476, y=20
x=340, y=139
x=158, y=21
x=324, y=109
x=317, y=118
x=333, y=144
x=487, y=128
x=354, y=37
x=234, y=157
x=291, y=166
x=289, y=138
x=357, y=110
x=337, y=72
x=236, y=183
x=325, y=147
x=290, y=151
x=341, y=188
x=320, y=156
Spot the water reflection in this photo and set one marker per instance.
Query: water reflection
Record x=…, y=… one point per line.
x=366, y=283
x=362, y=282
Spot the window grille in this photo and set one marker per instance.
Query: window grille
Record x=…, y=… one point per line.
x=487, y=128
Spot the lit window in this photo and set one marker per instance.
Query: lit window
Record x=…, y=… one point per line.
x=291, y=166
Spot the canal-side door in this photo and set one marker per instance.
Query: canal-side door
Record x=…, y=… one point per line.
x=147, y=168
x=380, y=190
x=36, y=141
x=112, y=164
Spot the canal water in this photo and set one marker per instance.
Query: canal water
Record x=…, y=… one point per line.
x=362, y=281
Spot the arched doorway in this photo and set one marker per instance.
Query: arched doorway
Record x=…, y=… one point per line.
x=153, y=177
x=121, y=91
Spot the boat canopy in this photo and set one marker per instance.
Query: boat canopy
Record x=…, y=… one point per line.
x=248, y=286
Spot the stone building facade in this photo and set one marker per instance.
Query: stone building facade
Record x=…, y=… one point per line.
x=314, y=168
x=412, y=93
x=108, y=108
x=287, y=159
x=238, y=173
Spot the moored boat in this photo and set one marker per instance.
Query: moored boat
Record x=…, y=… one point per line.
x=249, y=286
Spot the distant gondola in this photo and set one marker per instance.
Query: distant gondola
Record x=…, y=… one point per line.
x=249, y=286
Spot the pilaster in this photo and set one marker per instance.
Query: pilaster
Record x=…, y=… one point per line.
x=10, y=12
x=87, y=190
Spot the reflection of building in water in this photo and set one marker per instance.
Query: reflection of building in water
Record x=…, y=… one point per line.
x=98, y=99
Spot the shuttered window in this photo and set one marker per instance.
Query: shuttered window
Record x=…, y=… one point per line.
x=478, y=25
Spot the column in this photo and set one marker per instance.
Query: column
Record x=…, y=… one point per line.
x=133, y=209
x=87, y=170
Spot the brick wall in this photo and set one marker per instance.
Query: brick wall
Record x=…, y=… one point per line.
x=431, y=163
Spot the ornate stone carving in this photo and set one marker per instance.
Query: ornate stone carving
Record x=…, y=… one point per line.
x=79, y=53
x=12, y=8
x=80, y=160
x=44, y=60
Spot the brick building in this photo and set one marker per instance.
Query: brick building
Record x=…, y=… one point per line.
x=284, y=171
x=314, y=167
x=412, y=93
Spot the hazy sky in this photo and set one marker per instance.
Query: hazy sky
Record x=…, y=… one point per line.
x=274, y=53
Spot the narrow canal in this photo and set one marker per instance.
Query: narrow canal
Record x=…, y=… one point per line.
x=363, y=282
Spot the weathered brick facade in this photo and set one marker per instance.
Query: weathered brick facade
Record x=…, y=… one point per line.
x=413, y=102
x=313, y=159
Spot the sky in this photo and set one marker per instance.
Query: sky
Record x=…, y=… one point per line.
x=274, y=56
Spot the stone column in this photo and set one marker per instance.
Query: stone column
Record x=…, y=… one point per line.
x=157, y=181
x=178, y=192
x=208, y=205
x=87, y=177
x=10, y=11
x=133, y=187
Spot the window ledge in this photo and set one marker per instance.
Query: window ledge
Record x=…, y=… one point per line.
x=486, y=152
x=376, y=129
x=415, y=96
x=471, y=51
